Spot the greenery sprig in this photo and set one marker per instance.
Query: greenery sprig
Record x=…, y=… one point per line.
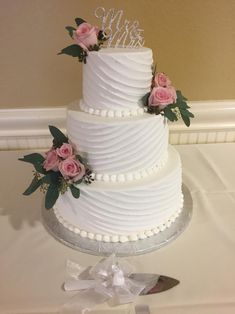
x=182, y=107
x=53, y=182
x=176, y=107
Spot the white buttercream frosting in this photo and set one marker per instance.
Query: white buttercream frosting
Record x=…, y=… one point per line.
x=119, y=149
x=111, y=113
x=127, y=211
x=120, y=238
x=137, y=189
x=114, y=79
x=137, y=175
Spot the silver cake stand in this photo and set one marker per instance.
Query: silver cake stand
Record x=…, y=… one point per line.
x=85, y=245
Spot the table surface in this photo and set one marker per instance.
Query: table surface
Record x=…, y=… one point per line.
x=32, y=263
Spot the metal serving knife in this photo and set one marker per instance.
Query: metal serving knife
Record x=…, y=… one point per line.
x=154, y=283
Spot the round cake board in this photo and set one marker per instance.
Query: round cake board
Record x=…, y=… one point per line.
x=85, y=245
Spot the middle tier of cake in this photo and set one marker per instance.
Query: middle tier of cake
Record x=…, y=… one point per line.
x=119, y=149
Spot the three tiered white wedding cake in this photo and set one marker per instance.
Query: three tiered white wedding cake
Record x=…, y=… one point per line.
x=138, y=178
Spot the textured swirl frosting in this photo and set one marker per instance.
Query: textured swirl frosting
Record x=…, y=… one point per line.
x=121, y=148
x=116, y=79
x=127, y=211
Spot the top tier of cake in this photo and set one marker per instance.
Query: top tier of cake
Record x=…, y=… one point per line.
x=114, y=80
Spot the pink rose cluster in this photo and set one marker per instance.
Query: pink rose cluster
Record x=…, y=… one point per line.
x=86, y=35
x=63, y=159
x=163, y=93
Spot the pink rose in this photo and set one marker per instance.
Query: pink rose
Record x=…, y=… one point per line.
x=86, y=35
x=52, y=160
x=65, y=150
x=162, y=96
x=162, y=80
x=71, y=168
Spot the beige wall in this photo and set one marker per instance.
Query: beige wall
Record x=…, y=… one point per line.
x=193, y=42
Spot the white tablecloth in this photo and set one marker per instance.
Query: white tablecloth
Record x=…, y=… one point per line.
x=32, y=263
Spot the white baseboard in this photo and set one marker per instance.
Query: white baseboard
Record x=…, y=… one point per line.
x=214, y=122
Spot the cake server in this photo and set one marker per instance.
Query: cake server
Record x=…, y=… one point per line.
x=154, y=283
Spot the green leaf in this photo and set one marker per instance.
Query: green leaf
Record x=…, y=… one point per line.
x=182, y=104
x=75, y=191
x=52, y=177
x=59, y=137
x=186, y=113
x=172, y=106
x=186, y=120
x=79, y=158
x=79, y=21
x=47, y=178
x=180, y=96
x=169, y=114
x=154, y=69
x=39, y=168
x=55, y=177
x=52, y=195
x=190, y=114
x=70, y=29
x=145, y=98
x=34, y=185
x=72, y=50
x=36, y=160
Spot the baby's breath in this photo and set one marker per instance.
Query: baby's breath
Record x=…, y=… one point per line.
x=36, y=174
x=63, y=186
x=44, y=187
x=177, y=112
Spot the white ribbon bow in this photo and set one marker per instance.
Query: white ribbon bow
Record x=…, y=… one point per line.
x=108, y=280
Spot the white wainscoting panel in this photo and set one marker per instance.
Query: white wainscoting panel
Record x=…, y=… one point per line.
x=28, y=128
x=214, y=122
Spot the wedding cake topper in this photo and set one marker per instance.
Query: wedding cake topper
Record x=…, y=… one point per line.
x=120, y=32
x=115, y=32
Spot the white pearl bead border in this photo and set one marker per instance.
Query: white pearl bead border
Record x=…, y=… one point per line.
x=120, y=238
x=112, y=113
x=132, y=176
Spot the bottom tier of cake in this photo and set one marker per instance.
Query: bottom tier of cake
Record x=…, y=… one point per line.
x=127, y=211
